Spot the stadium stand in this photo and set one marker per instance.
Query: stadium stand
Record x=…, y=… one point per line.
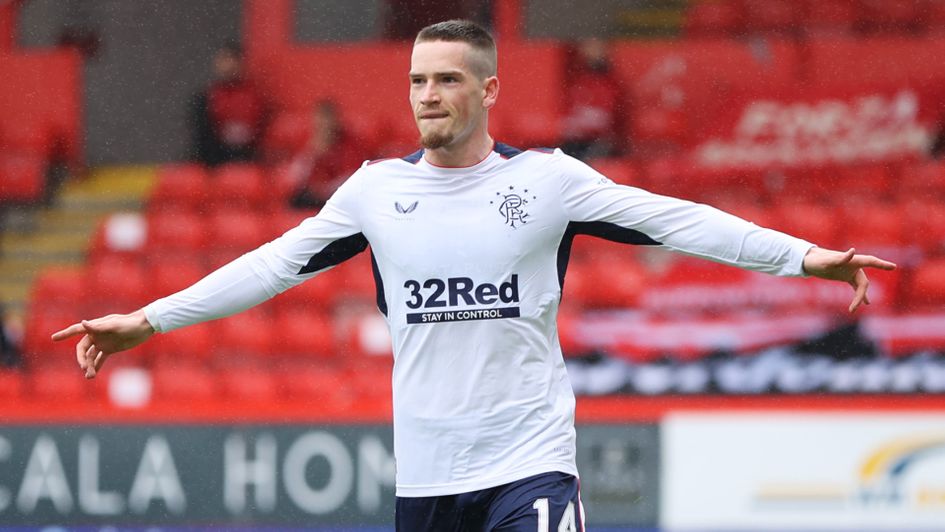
x=709, y=86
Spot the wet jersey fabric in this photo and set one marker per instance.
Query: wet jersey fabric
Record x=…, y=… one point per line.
x=469, y=264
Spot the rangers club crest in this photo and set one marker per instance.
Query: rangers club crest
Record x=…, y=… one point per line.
x=512, y=205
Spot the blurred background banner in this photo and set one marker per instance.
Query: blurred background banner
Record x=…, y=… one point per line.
x=803, y=471
x=266, y=475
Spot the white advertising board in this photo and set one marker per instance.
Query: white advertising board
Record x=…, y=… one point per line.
x=803, y=471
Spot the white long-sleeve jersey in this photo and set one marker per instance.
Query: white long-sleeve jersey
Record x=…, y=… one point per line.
x=469, y=265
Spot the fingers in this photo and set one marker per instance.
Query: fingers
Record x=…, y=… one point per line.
x=80, y=348
x=846, y=257
x=90, y=354
x=96, y=364
x=869, y=261
x=69, y=332
x=860, y=285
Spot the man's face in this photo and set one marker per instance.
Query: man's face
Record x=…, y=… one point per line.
x=449, y=100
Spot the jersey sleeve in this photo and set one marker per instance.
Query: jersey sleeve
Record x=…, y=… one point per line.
x=317, y=244
x=629, y=214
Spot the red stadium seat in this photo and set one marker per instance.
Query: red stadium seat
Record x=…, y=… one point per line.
x=620, y=171
x=33, y=139
x=567, y=331
x=183, y=186
x=927, y=286
x=189, y=345
x=934, y=17
x=188, y=382
x=175, y=233
x=241, y=186
x=123, y=234
x=316, y=382
x=925, y=218
x=577, y=281
x=233, y=233
x=242, y=338
x=60, y=383
x=748, y=208
x=814, y=184
x=116, y=285
x=371, y=381
x=829, y=17
x=922, y=179
x=320, y=293
x=371, y=335
x=303, y=334
x=23, y=178
x=656, y=130
x=168, y=275
x=665, y=176
x=12, y=385
x=813, y=222
x=285, y=219
x=41, y=321
x=358, y=278
x=721, y=18
x=889, y=16
x=284, y=180
x=286, y=136
x=870, y=181
x=248, y=384
x=873, y=227
x=365, y=128
x=626, y=281
x=59, y=286
x=772, y=16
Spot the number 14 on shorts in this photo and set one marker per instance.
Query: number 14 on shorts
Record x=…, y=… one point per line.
x=567, y=523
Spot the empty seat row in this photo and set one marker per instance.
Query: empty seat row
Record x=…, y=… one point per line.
x=325, y=383
x=715, y=18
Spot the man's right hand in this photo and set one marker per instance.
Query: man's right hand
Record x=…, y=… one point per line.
x=105, y=336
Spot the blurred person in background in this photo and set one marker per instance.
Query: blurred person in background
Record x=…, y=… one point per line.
x=10, y=356
x=331, y=154
x=594, y=117
x=470, y=240
x=937, y=148
x=229, y=116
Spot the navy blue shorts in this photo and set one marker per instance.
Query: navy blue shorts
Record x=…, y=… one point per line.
x=549, y=502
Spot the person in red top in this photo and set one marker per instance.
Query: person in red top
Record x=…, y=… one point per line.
x=595, y=101
x=328, y=158
x=229, y=116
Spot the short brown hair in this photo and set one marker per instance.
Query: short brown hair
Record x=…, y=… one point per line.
x=466, y=31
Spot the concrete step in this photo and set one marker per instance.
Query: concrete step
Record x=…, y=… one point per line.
x=14, y=295
x=20, y=270
x=94, y=202
x=60, y=235
x=117, y=182
x=43, y=246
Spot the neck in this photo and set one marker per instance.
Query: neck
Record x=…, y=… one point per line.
x=458, y=155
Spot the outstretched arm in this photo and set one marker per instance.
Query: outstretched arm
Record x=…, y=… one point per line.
x=105, y=336
x=705, y=232
x=845, y=266
x=317, y=244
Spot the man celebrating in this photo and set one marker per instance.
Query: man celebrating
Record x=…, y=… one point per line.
x=470, y=241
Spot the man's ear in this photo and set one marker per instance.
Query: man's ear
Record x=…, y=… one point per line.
x=490, y=92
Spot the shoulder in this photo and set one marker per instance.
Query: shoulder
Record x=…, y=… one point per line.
x=551, y=161
x=511, y=152
x=394, y=162
x=374, y=170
